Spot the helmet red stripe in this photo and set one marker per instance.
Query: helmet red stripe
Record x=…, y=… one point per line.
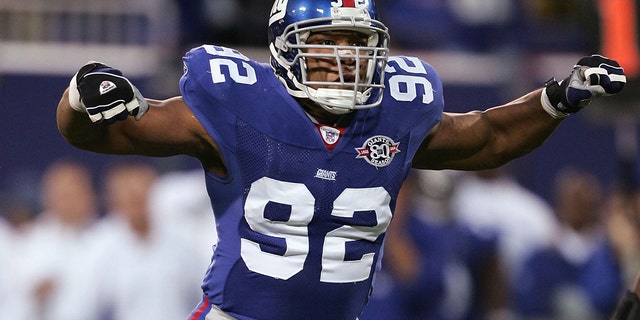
x=349, y=3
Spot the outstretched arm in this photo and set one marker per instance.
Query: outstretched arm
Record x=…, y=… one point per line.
x=488, y=139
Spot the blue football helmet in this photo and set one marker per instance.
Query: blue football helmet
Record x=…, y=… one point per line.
x=291, y=22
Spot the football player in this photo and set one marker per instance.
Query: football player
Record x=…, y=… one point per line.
x=304, y=156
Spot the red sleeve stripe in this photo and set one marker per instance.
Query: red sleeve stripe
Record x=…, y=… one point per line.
x=201, y=311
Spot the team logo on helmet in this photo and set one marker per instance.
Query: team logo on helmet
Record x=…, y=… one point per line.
x=278, y=10
x=378, y=151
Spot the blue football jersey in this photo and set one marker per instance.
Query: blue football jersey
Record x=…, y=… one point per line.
x=301, y=227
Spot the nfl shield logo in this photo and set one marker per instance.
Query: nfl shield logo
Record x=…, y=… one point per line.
x=330, y=135
x=106, y=86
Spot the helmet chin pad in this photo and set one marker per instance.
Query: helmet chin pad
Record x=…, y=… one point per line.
x=338, y=101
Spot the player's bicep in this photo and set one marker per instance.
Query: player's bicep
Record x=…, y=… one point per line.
x=175, y=130
x=168, y=129
x=456, y=142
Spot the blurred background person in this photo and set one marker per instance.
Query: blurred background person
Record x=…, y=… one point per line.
x=179, y=202
x=493, y=201
x=149, y=272
x=16, y=218
x=623, y=229
x=434, y=267
x=60, y=249
x=577, y=276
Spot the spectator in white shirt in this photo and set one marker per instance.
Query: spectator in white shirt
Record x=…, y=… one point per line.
x=148, y=269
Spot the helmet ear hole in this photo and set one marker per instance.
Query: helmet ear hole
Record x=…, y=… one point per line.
x=291, y=24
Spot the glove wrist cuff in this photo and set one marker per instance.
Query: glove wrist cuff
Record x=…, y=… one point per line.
x=74, y=96
x=550, y=99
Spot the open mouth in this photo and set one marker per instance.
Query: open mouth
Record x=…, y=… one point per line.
x=349, y=78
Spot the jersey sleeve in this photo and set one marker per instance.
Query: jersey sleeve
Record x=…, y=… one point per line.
x=205, y=97
x=219, y=85
x=413, y=98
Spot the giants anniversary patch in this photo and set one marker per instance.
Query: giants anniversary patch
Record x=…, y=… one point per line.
x=378, y=151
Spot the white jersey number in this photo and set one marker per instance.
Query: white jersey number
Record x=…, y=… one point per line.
x=335, y=268
x=232, y=66
x=405, y=87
